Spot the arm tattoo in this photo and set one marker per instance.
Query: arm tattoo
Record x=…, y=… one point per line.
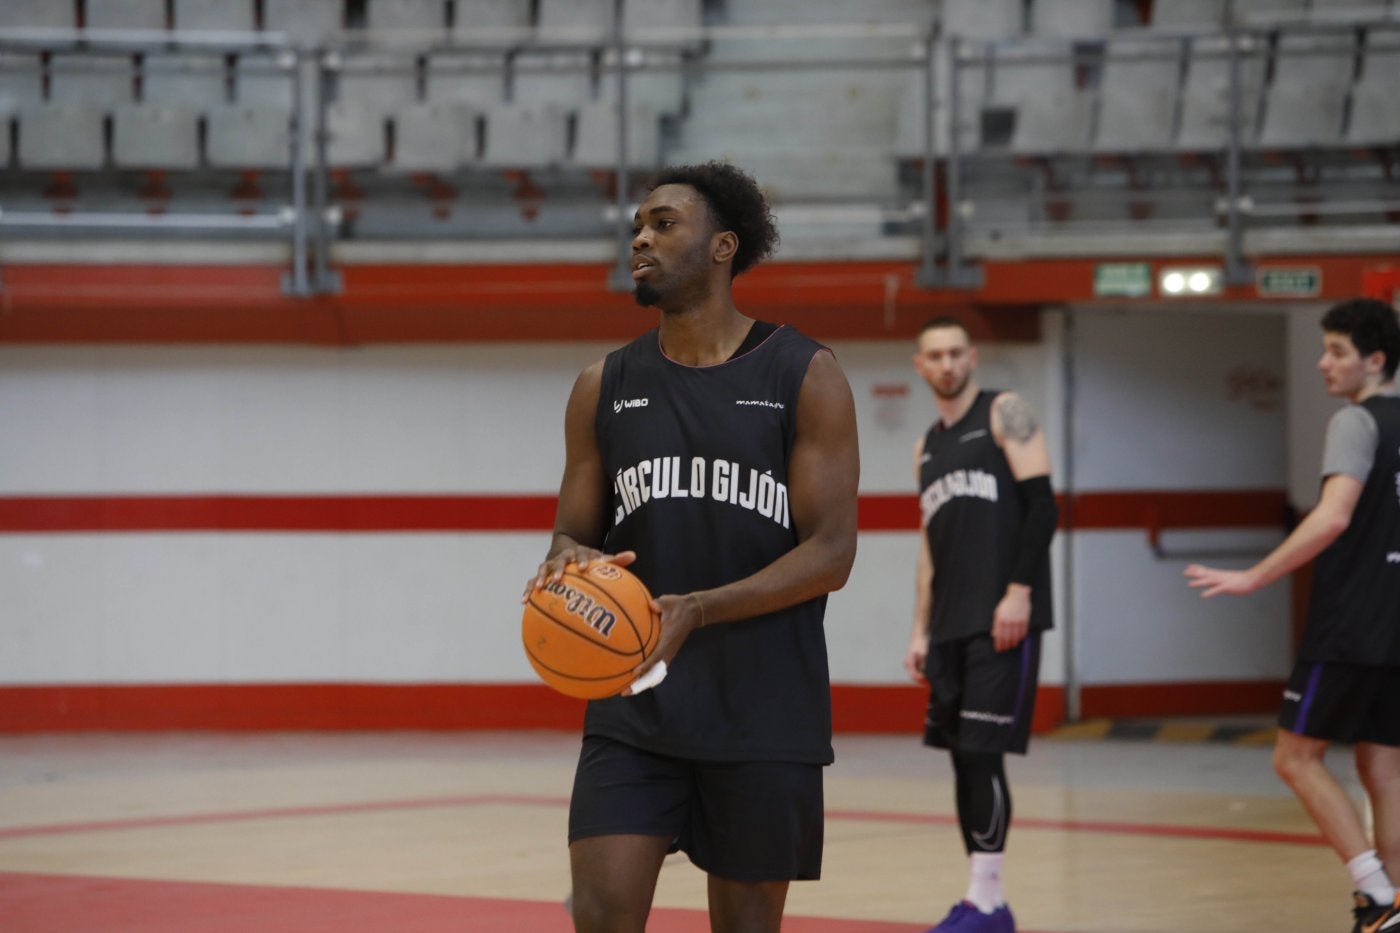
x=1017, y=419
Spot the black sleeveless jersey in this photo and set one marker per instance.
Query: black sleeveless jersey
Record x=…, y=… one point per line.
x=698, y=462
x=1354, y=610
x=971, y=516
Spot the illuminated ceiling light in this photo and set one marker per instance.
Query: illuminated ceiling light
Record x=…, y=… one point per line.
x=1190, y=281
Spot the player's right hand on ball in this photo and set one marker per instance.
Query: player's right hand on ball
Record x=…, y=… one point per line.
x=553, y=567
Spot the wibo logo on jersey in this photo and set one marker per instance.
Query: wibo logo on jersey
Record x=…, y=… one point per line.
x=977, y=484
x=621, y=403
x=719, y=480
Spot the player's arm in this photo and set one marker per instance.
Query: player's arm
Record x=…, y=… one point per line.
x=580, y=518
x=1015, y=428
x=823, y=475
x=917, y=653
x=1323, y=525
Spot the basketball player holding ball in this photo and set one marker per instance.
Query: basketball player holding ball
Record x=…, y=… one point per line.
x=715, y=456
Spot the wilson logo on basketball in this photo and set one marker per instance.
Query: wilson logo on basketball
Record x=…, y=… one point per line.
x=605, y=572
x=582, y=605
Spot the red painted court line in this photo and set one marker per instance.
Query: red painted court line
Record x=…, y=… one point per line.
x=35, y=903
x=279, y=813
x=1105, y=827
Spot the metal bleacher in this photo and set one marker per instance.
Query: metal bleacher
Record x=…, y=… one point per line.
x=1375, y=107
x=1207, y=118
x=213, y=16
x=1137, y=100
x=1307, y=100
x=952, y=125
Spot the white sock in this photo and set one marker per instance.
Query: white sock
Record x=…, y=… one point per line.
x=1369, y=877
x=984, y=883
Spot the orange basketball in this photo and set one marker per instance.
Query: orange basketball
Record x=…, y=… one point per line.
x=587, y=632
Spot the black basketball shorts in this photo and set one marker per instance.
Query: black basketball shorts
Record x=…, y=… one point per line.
x=1345, y=703
x=981, y=699
x=742, y=821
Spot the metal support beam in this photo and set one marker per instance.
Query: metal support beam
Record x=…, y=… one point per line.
x=620, y=278
x=324, y=280
x=928, y=274
x=958, y=274
x=1237, y=270
x=297, y=281
x=955, y=273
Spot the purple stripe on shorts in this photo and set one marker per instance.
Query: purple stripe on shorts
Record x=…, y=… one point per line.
x=1025, y=678
x=1305, y=704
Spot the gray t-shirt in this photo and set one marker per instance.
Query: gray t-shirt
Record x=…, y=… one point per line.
x=1350, y=446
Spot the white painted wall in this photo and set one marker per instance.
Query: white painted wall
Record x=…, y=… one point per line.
x=274, y=420
x=1309, y=406
x=1151, y=411
x=1175, y=400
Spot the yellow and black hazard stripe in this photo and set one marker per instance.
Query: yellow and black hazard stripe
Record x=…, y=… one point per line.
x=1255, y=732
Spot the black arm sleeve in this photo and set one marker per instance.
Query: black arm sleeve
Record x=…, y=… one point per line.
x=1040, y=515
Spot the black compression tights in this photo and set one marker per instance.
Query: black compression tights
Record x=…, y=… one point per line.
x=984, y=800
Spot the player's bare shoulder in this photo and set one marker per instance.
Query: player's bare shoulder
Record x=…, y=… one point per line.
x=825, y=392
x=1013, y=419
x=589, y=384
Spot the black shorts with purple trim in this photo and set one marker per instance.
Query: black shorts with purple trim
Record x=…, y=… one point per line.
x=1345, y=703
x=981, y=699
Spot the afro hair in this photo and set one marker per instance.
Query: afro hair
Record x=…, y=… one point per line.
x=735, y=203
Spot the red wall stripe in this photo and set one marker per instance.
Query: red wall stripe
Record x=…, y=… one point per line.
x=284, y=706
x=1204, y=698
x=1145, y=509
x=881, y=708
x=275, y=513
x=1184, y=508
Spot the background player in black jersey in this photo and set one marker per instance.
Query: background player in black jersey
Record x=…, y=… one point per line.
x=983, y=597
x=716, y=455
x=1345, y=685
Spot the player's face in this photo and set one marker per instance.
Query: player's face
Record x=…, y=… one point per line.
x=672, y=255
x=1344, y=370
x=946, y=359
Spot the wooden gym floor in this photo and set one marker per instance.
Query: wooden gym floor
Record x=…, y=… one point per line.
x=431, y=833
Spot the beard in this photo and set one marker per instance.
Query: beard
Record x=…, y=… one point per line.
x=955, y=391
x=672, y=300
x=647, y=295
x=681, y=286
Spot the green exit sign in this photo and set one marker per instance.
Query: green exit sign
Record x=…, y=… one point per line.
x=1128, y=279
x=1288, y=281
